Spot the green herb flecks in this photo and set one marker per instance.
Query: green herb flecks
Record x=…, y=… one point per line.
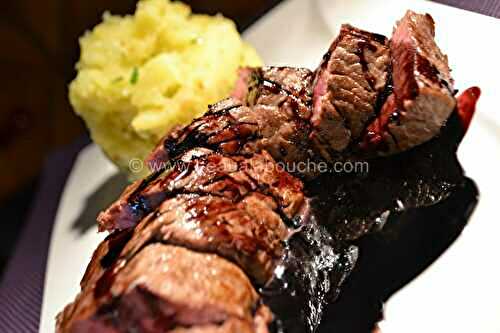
x=135, y=76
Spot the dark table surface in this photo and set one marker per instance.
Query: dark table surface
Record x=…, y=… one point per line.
x=21, y=289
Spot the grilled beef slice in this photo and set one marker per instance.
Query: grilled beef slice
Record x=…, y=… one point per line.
x=348, y=82
x=422, y=98
x=170, y=289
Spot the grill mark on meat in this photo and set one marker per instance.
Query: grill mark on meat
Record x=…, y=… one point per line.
x=237, y=136
x=221, y=112
x=146, y=182
x=195, y=138
x=117, y=241
x=192, y=139
x=362, y=46
x=382, y=96
x=255, y=186
x=276, y=88
x=141, y=206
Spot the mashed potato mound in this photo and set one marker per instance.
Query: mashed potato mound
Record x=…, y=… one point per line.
x=138, y=76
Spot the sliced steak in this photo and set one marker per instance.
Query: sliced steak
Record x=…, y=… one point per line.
x=180, y=288
x=204, y=172
x=234, y=206
x=346, y=87
x=184, y=238
x=423, y=89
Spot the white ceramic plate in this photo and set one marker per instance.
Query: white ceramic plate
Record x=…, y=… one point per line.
x=459, y=293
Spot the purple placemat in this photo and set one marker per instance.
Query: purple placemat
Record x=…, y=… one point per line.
x=21, y=290
x=486, y=7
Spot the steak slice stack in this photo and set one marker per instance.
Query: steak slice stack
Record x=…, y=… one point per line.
x=236, y=207
x=222, y=215
x=222, y=220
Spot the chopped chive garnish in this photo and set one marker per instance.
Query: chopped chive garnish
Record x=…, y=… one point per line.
x=135, y=76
